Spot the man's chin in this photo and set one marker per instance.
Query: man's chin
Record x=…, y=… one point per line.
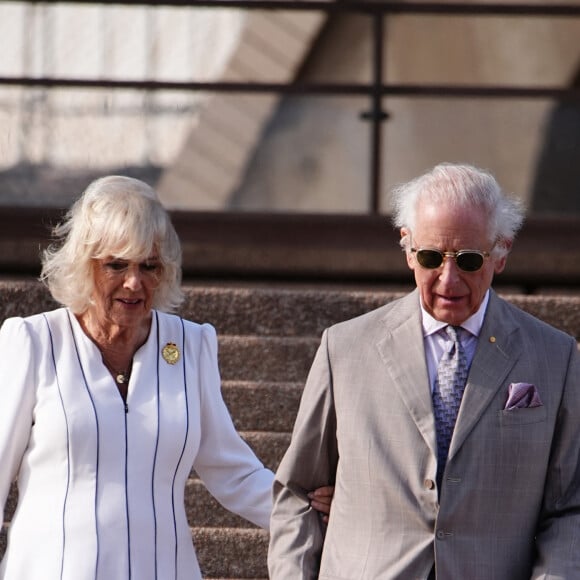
x=453, y=314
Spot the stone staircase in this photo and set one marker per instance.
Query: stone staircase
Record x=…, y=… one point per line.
x=268, y=337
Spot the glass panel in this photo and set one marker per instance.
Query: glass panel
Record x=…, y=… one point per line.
x=212, y=152
x=483, y=50
x=313, y=157
x=53, y=142
x=531, y=146
x=116, y=41
x=263, y=152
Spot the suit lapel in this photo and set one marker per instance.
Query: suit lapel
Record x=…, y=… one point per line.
x=403, y=353
x=497, y=351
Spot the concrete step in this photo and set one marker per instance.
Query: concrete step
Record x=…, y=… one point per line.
x=277, y=311
x=237, y=311
x=261, y=405
x=286, y=312
x=266, y=358
x=223, y=553
x=231, y=552
x=268, y=446
x=309, y=248
x=204, y=511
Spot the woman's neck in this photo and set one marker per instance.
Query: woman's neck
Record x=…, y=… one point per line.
x=117, y=344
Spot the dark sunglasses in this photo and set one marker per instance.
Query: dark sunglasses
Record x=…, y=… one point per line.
x=466, y=260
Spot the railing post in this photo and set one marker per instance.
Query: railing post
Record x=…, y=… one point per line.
x=376, y=115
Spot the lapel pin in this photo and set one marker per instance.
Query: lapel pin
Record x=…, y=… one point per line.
x=170, y=353
x=492, y=339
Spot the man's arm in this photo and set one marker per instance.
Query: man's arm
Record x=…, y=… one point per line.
x=558, y=535
x=296, y=529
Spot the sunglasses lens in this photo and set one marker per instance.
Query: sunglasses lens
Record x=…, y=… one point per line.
x=429, y=258
x=470, y=261
x=466, y=261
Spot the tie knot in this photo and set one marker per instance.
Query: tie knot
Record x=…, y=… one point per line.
x=453, y=332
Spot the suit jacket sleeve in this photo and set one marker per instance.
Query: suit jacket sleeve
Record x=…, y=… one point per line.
x=558, y=534
x=296, y=530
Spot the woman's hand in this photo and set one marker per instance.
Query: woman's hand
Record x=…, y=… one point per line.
x=321, y=500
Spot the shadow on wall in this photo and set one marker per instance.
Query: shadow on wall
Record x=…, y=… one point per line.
x=556, y=187
x=29, y=184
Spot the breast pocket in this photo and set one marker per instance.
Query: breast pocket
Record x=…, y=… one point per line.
x=519, y=417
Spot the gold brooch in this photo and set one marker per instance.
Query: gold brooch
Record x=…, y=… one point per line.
x=170, y=353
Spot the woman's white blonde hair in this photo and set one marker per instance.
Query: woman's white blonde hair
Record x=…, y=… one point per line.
x=115, y=216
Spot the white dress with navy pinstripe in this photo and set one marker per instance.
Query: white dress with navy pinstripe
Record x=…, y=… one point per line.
x=101, y=484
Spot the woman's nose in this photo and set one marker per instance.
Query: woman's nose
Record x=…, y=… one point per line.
x=133, y=279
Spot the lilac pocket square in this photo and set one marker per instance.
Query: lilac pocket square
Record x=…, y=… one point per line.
x=522, y=396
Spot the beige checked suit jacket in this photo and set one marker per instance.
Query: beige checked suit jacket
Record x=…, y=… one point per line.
x=509, y=506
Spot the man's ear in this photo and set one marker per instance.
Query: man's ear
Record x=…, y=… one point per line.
x=405, y=233
x=500, y=263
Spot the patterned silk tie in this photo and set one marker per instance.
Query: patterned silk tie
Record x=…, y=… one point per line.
x=447, y=393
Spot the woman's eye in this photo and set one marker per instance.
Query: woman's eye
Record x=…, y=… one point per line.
x=116, y=266
x=150, y=266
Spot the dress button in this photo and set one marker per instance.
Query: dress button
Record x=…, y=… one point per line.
x=429, y=484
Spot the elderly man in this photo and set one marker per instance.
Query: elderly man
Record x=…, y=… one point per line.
x=449, y=420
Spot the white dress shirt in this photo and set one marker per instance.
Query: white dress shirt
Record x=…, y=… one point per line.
x=435, y=339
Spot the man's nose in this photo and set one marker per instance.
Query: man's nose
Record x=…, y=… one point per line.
x=449, y=270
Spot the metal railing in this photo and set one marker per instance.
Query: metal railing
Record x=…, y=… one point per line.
x=375, y=90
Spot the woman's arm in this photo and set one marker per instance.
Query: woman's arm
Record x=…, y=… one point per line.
x=16, y=399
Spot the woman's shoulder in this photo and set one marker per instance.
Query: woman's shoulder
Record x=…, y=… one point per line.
x=175, y=325
x=35, y=321
x=193, y=339
x=35, y=330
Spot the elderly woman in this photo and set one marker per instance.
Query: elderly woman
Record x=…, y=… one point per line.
x=107, y=403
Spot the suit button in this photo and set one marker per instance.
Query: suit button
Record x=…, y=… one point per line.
x=440, y=535
x=429, y=484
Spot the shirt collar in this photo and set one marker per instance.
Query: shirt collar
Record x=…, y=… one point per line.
x=473, y=324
